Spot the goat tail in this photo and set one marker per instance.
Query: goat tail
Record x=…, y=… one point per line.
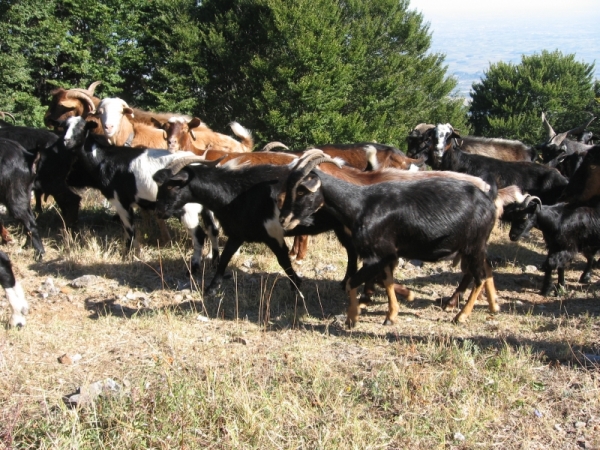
x=244, y=135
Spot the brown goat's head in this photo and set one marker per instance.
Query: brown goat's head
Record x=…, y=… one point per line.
x=67, y=103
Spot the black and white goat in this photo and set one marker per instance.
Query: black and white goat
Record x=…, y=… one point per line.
x=428, y=220
x=442, y=136
x=124, y=176
x=567, y=229
x=17, y=172
x=14, y=292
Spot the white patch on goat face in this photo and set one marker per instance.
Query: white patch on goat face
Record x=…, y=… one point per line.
x=111, y=114
x=190, y=218
x=16, y=299
x=73, y=133
x=274, y=228
x=442, y=132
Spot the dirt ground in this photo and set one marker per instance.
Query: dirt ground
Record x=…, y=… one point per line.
x=125, y=318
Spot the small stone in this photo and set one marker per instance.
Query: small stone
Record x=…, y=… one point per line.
x=248, y=263
x=530, y=269
x=202, y=318
x=329, y=268
x=459, y=437
x=580, y=424
x=178, y=298
x=537, y=413
x=87, y=394
x=416, y=262
x=85, y=280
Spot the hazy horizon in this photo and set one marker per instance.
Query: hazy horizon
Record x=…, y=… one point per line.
x=474, y=34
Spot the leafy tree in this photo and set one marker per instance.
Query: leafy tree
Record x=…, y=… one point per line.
x=510, y=98
x=134, y=47
x=309, y=72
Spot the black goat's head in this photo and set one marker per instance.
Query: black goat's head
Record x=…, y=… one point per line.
x=584, y=184
x=303, y=193
x=522, y=216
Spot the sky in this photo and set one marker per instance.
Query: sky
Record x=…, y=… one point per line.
x=491, y=9
x=475, y=33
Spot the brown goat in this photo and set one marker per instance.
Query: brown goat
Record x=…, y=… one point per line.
x=67, y=103
x=194, y=135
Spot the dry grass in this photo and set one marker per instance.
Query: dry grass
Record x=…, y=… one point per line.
x=272, y=370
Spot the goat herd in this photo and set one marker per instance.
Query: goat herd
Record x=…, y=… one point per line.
x=380, y=203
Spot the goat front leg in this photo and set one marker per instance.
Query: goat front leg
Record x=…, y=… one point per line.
x=283, y=258
x=126, y=216
x=212, y=230
x=586, y=276
x=231, y=247
x=18, y=304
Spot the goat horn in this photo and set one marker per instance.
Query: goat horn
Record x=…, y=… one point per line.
x=92, y=87
x=312, y=158
x=82, y=95
x=180, y=163
x=272, y=145
x=529, y=199
x=4, y=114
x=581, y=128
x=551, y=132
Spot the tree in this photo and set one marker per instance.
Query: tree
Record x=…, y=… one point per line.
x=136, y=48
x=310, y=72
x=510, y=98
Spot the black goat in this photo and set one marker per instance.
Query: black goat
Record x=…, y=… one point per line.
x=16, y=180
x=428, y=220
x=14, y=292
x=584, y=185
x=558, y=144
x=567, y=230
x=54, y=165
x=244, y=201
x=531, y=178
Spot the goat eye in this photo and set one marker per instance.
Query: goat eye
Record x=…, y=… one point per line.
x=300, y=193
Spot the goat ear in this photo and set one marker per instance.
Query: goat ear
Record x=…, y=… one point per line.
x=91, y=125
x=195, y=122
x=312, y=184
x=182, y=176
x=128, y=112
x=157, y=123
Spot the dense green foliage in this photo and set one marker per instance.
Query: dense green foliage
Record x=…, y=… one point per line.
x=509, y=100
x=301, y=72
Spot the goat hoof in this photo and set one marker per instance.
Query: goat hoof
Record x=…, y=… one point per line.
x=388, y=322
x=17, y=322
x=211, y=290
x=364, y=301
x=448, y=303
x=350, y=323
x=460, y=318
x=585, y=279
